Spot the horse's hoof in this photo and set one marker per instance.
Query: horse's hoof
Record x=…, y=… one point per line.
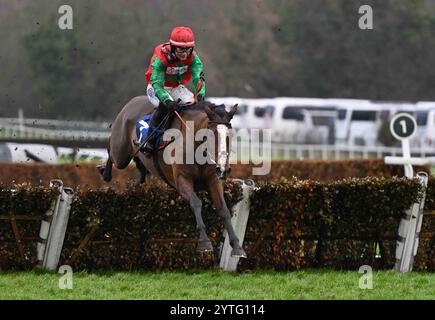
x=204, y=246
x=107, y=176
x=238, y=253
x=101, y=168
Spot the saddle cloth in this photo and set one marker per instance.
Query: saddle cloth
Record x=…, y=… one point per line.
x=142, y=129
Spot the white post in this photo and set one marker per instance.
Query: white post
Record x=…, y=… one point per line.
x=406, y=152
x=411, y=161
x=409, y=230
x=52, y=232
x=21, y=122
x=239, y=222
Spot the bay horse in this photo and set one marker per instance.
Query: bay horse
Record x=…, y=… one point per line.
x=187, y=179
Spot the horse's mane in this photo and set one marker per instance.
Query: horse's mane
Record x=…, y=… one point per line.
x=200, y=106
x=219, y=109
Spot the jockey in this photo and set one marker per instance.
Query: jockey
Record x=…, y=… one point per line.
x=172, y=65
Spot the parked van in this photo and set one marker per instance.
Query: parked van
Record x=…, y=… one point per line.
x=259, y=113
x=359, y=121
x=330, y=121
x=304, y=120
x=425, y=116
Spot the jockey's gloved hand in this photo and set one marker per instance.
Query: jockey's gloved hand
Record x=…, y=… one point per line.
x=200, y=97
x=170, y=105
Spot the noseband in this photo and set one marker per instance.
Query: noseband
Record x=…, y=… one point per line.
x=227, y=124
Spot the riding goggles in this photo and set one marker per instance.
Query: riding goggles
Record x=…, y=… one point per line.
x=183, y=49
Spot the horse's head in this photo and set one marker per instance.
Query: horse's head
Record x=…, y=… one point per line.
x=219, y=122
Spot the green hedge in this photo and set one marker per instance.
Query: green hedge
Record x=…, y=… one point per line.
x=293, y=224
x=21, y=200
x=338, y=224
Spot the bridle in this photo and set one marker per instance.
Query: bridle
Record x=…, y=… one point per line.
x=227, y=124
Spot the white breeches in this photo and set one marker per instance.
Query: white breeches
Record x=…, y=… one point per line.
x=180, y=92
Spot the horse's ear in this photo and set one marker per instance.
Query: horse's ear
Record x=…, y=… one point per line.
x=210, y=113
x=232, y=111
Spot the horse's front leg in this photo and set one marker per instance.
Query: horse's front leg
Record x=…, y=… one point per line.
x=216, y=191
x=185, y=188
x=106, y=170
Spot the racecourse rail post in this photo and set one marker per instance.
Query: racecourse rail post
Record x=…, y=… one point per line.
x=239, y=222
x=53, y=227
x=403, y=127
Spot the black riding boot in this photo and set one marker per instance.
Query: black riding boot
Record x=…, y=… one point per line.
x=156, y=119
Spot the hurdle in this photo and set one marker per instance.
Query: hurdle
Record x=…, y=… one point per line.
x=53, y=227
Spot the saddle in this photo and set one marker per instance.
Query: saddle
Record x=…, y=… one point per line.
x=143, y=127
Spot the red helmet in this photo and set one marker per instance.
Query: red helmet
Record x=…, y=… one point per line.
x=182, y=37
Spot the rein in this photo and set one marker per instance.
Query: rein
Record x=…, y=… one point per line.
x=196, y=107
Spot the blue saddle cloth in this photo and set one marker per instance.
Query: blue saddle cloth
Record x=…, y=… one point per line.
x=143, y=129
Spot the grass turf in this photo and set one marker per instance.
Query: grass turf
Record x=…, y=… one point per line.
x=304, y=284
